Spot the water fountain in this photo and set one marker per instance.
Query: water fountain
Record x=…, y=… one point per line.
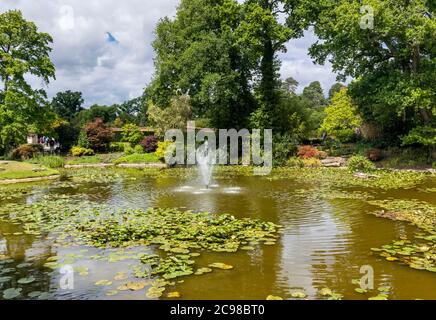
x=205, y=163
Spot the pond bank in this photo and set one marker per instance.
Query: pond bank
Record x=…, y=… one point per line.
x=121, y=165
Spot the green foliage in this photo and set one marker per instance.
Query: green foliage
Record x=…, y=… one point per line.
x=393, y=62
x=83, y=140
x=162, y=148
x=138, y=149
x=23, y=52
x=132, y=134
x=314, y=94
x=119, y=146
x=68, y=135
x=49, y=161
x=67, y=104
x=129, y=150
x=80, y=151
x=107, y=113
x=284, y=146
x=360, y=164
x=138, y=158
x=341, y=119
x=175, y=116
x=423, y=136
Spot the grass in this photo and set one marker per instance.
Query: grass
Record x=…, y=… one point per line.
x=23, y=170
x=52, y=162
x=138, y=158
x=99, y=158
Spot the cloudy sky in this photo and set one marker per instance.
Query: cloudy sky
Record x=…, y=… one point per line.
x=103, y=48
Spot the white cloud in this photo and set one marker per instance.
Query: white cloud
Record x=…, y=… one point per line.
x=110, y=72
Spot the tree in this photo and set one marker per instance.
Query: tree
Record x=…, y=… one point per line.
x=335, y=88
x=341, y=119
x=67, y=104
x=99, y=135
x=66, y=134
x=198, y=53
x=290, y=85
x=23, y=51
x=314, y=94
x=175, y=116
x=131, y=133
x=107, y=114
x=133, y=111
x=393, y=60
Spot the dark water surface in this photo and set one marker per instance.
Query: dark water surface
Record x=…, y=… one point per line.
x=324, y=244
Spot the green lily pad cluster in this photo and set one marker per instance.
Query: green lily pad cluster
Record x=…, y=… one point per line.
x=420, y=255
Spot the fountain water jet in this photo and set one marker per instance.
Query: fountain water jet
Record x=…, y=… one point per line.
x=205, y=163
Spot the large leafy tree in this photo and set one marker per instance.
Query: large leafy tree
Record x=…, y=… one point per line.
x=393, y=60
x=67, y=104
x=197, y=53
x=23, y=51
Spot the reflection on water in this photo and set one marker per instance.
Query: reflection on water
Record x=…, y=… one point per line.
x=324, y=242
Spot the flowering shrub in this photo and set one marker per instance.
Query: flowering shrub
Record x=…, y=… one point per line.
x=26, y=151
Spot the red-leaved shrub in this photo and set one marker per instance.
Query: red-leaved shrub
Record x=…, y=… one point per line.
x=149, y=144
x=26, y=151
x=374, y=154
x=307, y=152
x=99, y=135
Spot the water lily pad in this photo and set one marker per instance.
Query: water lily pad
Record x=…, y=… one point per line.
x=271, y=297
x=121, y=276
x=111, y=293
x=11, y=293
x=201, y=271
x=379, y=297
x=298, y=295
x=34, y=294
x=103, y=283
x=247, y=248
x=220, y=265
x=174, y=294
x=26, y=280
x=5, y=279
x=325, y=292
x=24, y=265
x=133, y=286
x=384, y=289
x=360, y=290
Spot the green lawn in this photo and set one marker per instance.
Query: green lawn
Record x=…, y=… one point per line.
x=138, y=158
x=23, y=170
x=99, y=158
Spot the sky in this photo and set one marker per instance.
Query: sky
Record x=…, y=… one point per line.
x=103, y=48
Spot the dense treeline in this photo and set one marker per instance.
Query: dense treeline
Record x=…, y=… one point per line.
x=217, y=63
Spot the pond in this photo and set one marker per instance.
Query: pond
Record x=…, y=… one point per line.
x=326, y=235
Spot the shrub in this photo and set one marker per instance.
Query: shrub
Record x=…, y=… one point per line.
x=118, y=146
x=27, y=151
x=360, y=163
x=295, y=162
x=49, y=161
x=131, y=133
x=149, y=144
x=433, y=165
x=99, y=135
x=374, y=154
x=284, y=147
x=80, y=152
x=83, y=140
x=138, y=149
x=128, y=150
x=307, y=152
x=162, y=148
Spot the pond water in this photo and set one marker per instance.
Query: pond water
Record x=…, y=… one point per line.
x=324, y=243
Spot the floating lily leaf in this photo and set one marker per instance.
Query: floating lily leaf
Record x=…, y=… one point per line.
x=298, y=295
x=384, y=289
x=5, y=279
x=24, y=265
x=11, y=293
x=379, y=297
x=103, y=283
x=121, y=276
x=174, y=294
x=271, y=297
x=325, y=292
x=220, y=265
x=247, y=248
x=134, y=286
x=111, y=293
x=155, y=292
x=360, y=290
x=34, y=294
x=26, y=280
x=201, y=271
